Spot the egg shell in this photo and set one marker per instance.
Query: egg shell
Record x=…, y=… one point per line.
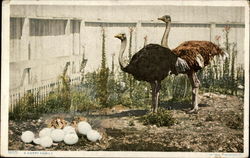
x=57, y=135
x=70, y=139
x=83, y=127
x=93, y=135
x=69, y=129
x=36, y=141
x=46, y=141
x=27, y=136
x=45, y=132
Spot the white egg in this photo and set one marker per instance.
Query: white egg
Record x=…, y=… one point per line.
x=83, y=127
x=36, y=141
x=46, y=141
x=69, y=129
x=57, y=135
x=93, y=135
x=70, y=138
x=27, y=136
x=45, y=132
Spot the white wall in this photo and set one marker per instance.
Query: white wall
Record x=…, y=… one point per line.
x=49, y=53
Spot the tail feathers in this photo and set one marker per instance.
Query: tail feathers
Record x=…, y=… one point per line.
x=181, y=66
x=225, y=55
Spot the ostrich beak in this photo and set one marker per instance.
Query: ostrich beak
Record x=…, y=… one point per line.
x=161, y=18
x=117, y=36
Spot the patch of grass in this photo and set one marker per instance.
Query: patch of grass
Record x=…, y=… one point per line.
x=25, y=108
x=82, y=102
x=161, y=118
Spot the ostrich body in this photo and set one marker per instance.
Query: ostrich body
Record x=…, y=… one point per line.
x=151, y=64
x=195, y=54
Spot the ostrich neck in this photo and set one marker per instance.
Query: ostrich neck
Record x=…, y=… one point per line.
x=164, y=41
x=122, y=50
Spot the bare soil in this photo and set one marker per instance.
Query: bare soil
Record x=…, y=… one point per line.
x=216, y=127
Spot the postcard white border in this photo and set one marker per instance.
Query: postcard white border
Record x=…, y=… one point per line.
x=5, y=81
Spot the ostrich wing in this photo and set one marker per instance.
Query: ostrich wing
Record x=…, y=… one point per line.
x=181, y=66
x=197, y=53
x=152, y=62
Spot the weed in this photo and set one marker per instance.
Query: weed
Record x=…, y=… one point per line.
x=161, y=118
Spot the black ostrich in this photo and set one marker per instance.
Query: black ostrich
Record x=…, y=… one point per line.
x=151, y=64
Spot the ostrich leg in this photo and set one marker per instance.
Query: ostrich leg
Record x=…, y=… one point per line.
x=153, y=87
x=156, y=86
x=195, y=89
x=157, y=91
x=154, y=95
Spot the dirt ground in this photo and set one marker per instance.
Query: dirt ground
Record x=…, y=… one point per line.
x=217, y=127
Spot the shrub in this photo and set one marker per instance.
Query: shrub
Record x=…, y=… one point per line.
x=82, y=102
x=54, y=103
x=25, y=108
x=161, y=118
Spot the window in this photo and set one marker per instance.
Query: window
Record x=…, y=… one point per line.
x=75, y=26
x=16, y=27
x=47, y=27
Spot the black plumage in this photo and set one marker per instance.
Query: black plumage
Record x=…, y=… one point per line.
x=152, y=63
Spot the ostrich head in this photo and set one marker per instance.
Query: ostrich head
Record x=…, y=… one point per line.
x=165, y=18
x=121, y=36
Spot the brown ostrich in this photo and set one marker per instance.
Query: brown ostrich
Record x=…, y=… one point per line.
x=196, y=54
x=151, y=64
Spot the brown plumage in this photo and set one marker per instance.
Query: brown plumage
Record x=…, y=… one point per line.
x=189, y=50
x=192, y=54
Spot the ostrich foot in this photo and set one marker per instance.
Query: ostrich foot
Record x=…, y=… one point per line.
x=153, y=110
x=194, y=110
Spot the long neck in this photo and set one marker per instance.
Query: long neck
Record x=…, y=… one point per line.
x=122, y=50
x=164, y=41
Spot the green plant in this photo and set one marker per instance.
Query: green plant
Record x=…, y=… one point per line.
x=25, y=108
x=54, y=103
x=223, y=76
x=102, y=89
x=161, y=118
x=83, y=65
x=64, y=92
x=82, y=102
